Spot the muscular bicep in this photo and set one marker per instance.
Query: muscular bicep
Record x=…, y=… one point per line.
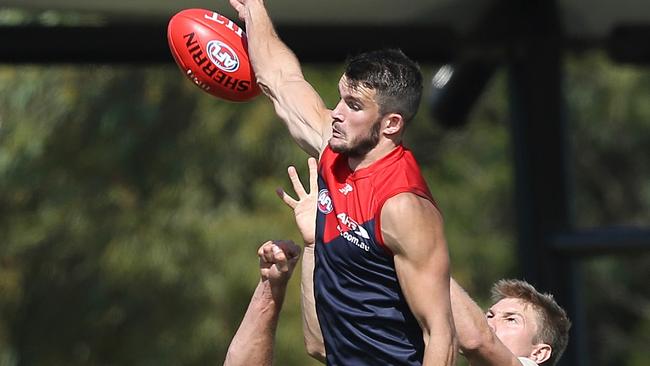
x=302, y=110
x=412, y=228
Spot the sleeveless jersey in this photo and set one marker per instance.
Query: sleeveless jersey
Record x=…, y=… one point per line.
x=361, y=309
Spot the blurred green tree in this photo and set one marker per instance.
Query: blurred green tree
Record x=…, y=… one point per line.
x=609, y=114
x=132, y=205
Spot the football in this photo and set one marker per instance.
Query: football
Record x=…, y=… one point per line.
x=212, y=51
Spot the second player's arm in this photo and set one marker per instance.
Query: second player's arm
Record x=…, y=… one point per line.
x=304, y=210
x=412, y=228
x=311, y=329
x=280, y=76
x=476, y=339
x=255, y=337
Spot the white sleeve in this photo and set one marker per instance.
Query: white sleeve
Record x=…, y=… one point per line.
x=527, y=361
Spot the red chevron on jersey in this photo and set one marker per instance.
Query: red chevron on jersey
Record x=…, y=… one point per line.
x=349, y=199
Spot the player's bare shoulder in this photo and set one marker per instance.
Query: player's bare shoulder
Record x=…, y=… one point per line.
x=412, y=205
x=407, y=217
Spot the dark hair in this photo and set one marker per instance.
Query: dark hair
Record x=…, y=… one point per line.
x=396, y=79
x=553, y=323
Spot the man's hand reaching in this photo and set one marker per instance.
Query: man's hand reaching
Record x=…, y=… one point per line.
x=304, y=208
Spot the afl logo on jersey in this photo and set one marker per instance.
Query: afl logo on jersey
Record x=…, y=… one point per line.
x=324, y=201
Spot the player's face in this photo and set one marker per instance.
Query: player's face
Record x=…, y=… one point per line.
x=355, y=121
x=515, y=323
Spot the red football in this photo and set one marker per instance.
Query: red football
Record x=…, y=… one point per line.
x=212, y=51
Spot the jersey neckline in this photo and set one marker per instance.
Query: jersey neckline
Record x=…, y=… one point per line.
x=383, y=162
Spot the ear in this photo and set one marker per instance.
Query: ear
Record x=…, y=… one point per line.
x=392, y=124
x=540, y=353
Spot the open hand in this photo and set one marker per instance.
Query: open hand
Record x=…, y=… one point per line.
x=304, y=208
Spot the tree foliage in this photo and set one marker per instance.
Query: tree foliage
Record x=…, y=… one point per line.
x=609, y=114
x=132, y=205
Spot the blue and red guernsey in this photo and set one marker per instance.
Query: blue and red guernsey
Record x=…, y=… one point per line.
x=361, y=309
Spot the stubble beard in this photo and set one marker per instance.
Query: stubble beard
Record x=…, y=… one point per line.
x=361, y=146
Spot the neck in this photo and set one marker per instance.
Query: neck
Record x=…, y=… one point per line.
x=383, y=148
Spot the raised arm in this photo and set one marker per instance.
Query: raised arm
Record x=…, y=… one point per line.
x=279, y=75
x=254, y=340
x=422, y=266
x=477, y=341
x=304, y=210
x=311, y=329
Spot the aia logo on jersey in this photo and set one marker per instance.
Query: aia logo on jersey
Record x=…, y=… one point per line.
x=222, y=56
x=349, y=223
x=324, y=201
x=353, y=232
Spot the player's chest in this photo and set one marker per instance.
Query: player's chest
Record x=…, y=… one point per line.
x=346, y=215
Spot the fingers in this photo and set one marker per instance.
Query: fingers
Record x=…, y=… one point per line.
x=270, y=253
x=297, y=184
x=313, y=174
x=235, y=4
x=279, y=253
x=238, y=5
x=290, y=249
x=286, y=198
x=295, y=181
x=261, y=253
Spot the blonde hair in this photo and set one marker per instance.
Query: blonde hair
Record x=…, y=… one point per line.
x=553, y=322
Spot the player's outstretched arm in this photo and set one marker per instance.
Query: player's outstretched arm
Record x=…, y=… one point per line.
x=422, y=266
x=279, y=75
x=304, y=209
x=254, y=340
x=476, y=340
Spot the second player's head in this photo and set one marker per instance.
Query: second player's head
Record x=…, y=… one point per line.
x=531, y=324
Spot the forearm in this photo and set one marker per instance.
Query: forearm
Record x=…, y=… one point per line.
x=311, y=329
x=253, y=342
x=440, y=336
x=440, y=349
x=472, y=329
x=279, y=74
x=442, y=354
x=422, y=266
x=271, y=58
x=477, y=341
